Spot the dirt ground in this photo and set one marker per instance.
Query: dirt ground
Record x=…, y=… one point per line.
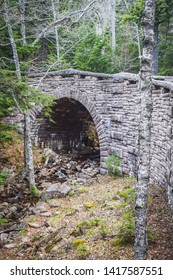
x=94, y=222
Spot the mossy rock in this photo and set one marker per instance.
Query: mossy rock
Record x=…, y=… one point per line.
x=89, y=205
x=82, y=190
x=53, y=221
x=78, y=242
x=70, y=212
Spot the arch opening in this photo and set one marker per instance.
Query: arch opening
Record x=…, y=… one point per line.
x=72, y=131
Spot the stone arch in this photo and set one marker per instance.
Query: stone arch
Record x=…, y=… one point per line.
x=98, y=121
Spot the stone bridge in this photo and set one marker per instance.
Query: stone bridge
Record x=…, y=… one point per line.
x=110, y=105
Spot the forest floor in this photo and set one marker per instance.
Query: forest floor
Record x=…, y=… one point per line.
x=95, y=222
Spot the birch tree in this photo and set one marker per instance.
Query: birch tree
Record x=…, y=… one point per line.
x=29, y=161
x=144, y=130
x=29, y=166
x=55, y=16
x=112, y=23
x=22, y=21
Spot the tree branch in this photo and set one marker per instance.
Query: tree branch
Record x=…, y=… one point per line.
x=59, y=21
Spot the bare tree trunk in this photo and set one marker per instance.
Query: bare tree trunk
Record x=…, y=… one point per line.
x=29, y=162
x=22, y=21
x=112, y=23
x=28, y=149
x=54, y=10
x=144, y=131
x=12, y=41
x=138, y=39
x=155, y=53
x=29, y=166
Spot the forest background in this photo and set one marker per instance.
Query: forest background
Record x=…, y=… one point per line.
x=99, y=36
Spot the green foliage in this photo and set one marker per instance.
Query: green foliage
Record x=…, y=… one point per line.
x=3, y=177
x=27, y=97
x=150, y=200
x=126, y=226
x=128, y=195
x=88, y=224
x=165, y=52
x=7, y=82
x=4, y=220
x=112, y=164
x=6, y=135
x=80, y=47
x=89, y=205
x=163, y=11
x=126, y=231
x=25, y=51
x=34, y=191
x=94, y=54
x=163, y=22
x=103, y=230
x=82, y=251
x=135, y=12
x=78, y=242
x=10, y=87
x=151, y=235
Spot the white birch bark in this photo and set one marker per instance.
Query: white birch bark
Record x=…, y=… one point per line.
x=29, y=166
x=112, y=23
x=138, y=40
x=144, y=131
x=156, y=46
x=12, y=41
x=22, y=20
x=29, y=161
x=55, y=16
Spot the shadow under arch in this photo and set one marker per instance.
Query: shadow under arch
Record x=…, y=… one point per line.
x=73, y=122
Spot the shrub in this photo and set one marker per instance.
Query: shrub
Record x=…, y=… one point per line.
x=82, y=252
x=4, y=220
x=113, y=165
x=3, y=177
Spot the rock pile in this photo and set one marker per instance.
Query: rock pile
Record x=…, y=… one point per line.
x=61, y=173
x=58, y=176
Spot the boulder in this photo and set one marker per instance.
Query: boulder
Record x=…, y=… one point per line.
x=61, y=176
x=55, y=191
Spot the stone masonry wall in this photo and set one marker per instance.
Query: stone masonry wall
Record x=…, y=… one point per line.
x=162, y=138
x=113, y=105
x=113, y=101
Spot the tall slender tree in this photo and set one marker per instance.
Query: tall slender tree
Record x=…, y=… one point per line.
x=112, y=23
x=22, y=20
x=147, y=21
x=29, y=166
x=55, y=16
